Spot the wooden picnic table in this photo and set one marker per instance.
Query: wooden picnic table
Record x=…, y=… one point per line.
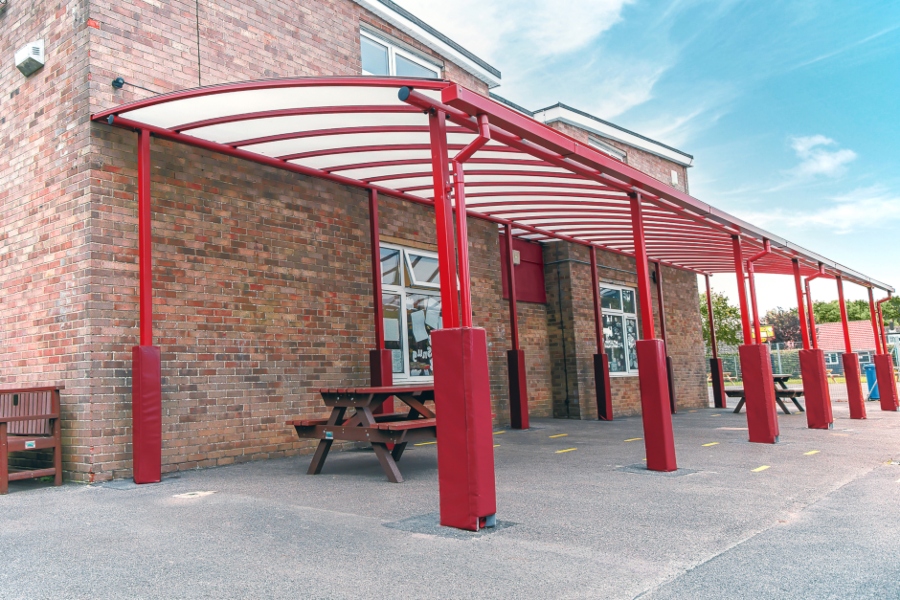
x=782, y=391
x=380, y=430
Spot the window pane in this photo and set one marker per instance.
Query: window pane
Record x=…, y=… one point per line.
x=631, y=336
x=628, y=302
x=390, y=266
x=392, y=328
x=423, y=317
x=408, y=68
x=614, y=342
x=374, y=57
x=611, y=299
x=424, y=270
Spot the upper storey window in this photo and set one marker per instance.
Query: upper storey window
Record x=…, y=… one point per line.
x=380, y=57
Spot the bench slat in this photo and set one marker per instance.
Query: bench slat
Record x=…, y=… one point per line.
x=404, y=425
x=378, y=390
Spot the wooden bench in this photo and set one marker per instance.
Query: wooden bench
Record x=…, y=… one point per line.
x=780, y=395
x=29, y=420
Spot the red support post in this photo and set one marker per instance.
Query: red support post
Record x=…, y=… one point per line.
x=468, y=497
x=462, y=235
x=767, y=249
x=756, y=369
x=601, y=360
x=444, y=220
x=813, y=335
x=659, y=439
x=873, y=314
x=381, y=372
x=515, y=356
x=855, y=396
x=742, y=288
x=812, y=369
x=715, y=363
x=146, y=377
x=670, y=372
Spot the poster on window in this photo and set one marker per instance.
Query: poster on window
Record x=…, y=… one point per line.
x=424, y=312
x=614, y=342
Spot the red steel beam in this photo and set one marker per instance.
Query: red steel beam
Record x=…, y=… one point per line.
x=767, y=249
x=813, y=335
x=712, y=321
x=598, y=313
x=881, y=320
x=661, y=303
x=145, y=240
x=844, y=322
x=511, y=284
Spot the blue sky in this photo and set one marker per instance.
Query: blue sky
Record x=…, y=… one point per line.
x=790, y=108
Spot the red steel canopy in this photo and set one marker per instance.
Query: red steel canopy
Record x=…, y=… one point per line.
x=373, y=132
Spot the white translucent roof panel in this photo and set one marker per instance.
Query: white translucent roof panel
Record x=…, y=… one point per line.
x=536, y=179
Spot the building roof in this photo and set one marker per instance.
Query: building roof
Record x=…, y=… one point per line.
x=424, y=33
x=831, y=336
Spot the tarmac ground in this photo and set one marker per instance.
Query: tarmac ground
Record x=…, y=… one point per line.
x=814, y=516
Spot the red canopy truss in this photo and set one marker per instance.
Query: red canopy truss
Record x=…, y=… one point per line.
x=373, y=132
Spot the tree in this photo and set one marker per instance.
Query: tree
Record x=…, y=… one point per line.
x=830, y=312
x=727, y=319
x=891, y=311
x=786, y=324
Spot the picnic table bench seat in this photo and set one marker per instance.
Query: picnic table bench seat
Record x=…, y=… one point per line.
x=29, y=420
x=780, y=395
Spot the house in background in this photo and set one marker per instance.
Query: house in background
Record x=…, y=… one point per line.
x=831, y=340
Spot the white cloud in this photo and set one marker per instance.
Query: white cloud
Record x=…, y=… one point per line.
x=817, y=159
x=862, y=208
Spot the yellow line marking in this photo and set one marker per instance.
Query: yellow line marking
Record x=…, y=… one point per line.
x=499, y=432
x=566, y=450
x=692, y=411
x=496, y=445
x=558, y=435
x=710, y=444
x=425, y=444
x=633, y=439
x=644, y=459
x=758, y=469
x=715, y=415
x=810, y=453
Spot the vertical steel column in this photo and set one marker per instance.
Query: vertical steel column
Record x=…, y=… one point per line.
x=756, y=369
x=515, y=356
x=742, y=288
x=381, y=371
x=462, y=237
x=444, y=220
x=146, y=376
x=670, y=373
x=855, y=396
x=468, y=498
x=873, y=314
x=715, y=363
x=601, y=360
x=659, y=439
x=812, y=368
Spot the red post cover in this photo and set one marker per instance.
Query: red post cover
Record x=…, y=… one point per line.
x=381, y=374
x=759, y=392
x=518, y=389
x=815, y=389
x=718, y=383
x=887, y=384
x=855, y=396
x=656, y=413
x=146, y=414
x=462, y=397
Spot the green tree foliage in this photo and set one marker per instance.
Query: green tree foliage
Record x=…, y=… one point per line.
x=727, y=319
x=891, y=310
x=830, y=312
x=786, y=324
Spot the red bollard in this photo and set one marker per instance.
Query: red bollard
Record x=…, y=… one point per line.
x=887, y=384
x=855, y=396
x=659, y=440
x=815, y=389
x=465, y=444
x=146, y=414
x=759, y=392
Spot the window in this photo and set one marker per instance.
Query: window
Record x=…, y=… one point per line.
x=380, y=57
x=411, y=297
x=674, y=177
x=831, y=358
x=865, y=357
x=607, y=148
x=620, y=328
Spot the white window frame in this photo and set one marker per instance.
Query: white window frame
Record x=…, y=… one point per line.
x=405, y=288
x=607, y=148
x=831, y=358
x=629, y=372
x=865, y=357
x=393, y=52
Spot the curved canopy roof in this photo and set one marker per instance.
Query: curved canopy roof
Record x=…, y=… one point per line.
x=546, y=185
